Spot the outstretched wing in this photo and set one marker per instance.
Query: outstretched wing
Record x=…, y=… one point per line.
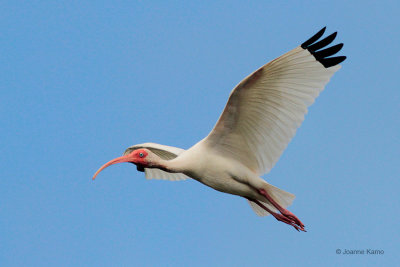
x=266, y=108
x=164, y=152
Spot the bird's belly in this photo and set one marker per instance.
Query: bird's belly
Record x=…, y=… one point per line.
x=227, y=185
x=219, y=173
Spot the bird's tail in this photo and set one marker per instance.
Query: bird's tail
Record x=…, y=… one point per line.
x=283, y=198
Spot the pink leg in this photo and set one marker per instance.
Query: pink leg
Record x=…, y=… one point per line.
x=285, y=213
x=280, y=217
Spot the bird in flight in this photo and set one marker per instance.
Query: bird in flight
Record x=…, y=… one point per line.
x=260, y=118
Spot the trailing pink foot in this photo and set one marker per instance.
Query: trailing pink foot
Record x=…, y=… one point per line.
x=289, y=221
x=292, y=217
x=285, y=216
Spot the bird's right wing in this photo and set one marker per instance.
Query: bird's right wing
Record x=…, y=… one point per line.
x=164, y=152
x=266, y=108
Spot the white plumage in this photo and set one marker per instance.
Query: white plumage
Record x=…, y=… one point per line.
x=261, y=117
x=266, y=108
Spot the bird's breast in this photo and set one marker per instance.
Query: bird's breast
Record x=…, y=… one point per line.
x=220, y=173
x=220, y=176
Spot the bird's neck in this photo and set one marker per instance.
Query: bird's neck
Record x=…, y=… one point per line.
x=172, y=166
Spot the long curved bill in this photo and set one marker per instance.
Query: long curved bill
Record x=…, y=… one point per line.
x=126, y=158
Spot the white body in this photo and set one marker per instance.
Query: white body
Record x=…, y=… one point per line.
x=261, y=117
x=223, y=174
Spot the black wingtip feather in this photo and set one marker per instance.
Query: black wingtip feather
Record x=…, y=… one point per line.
x=324, y=42
x=313, y=45
x=328, y=52
x=332, y=61
x=314, y=38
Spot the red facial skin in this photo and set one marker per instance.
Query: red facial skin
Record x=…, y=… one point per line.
x=134, y=157
x=137, y=158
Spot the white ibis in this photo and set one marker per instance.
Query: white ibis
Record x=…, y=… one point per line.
x=259, y=120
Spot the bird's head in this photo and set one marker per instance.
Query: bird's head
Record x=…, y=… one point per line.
x=142, y=158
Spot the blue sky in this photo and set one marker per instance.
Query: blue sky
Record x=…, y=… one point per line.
x=81, y=81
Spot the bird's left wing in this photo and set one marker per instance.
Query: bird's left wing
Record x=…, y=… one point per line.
x=164, y=152
x=265, y=109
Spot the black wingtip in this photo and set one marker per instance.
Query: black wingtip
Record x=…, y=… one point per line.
x=332, y=61
x=328, y=51
x=323, y=56
x=324, y=42
x=314, y=38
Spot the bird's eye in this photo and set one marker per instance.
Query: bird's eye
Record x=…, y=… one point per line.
x=141, y=155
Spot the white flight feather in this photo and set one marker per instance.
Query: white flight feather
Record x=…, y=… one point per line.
x=266, y=108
